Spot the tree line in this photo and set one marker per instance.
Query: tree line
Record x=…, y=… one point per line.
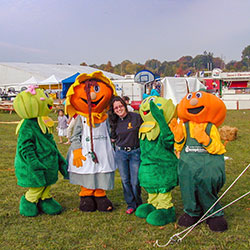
x=184, y=65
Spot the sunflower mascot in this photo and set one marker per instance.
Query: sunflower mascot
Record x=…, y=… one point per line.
x=37, y=158
x=158, y=168
x=201, y=166
x=91, y=156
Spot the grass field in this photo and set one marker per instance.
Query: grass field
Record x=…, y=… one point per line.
x=73, y=229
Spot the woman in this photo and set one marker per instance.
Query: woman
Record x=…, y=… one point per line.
x=124, y=132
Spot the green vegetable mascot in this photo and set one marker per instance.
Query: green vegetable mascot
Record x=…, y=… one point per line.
x=158, y=169
x=37, y=158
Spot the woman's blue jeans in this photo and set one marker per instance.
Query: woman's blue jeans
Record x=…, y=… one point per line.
x=128, y=164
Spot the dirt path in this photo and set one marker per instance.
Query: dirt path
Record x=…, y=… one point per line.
x=14, y=122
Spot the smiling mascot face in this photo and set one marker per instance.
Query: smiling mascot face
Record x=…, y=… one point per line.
x=169, y=109
x=100, y=97
x=202, y=107
x=98, y=88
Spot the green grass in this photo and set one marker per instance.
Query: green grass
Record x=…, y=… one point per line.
x=77, y=230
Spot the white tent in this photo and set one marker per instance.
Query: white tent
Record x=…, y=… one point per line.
x=14, y=73
x=51, y=80
x=30, y=81
x=176, y=88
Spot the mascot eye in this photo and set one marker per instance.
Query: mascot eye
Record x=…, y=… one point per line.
x=151, y=99
x=189, y=96
x=46, y=94
x=198, y=94
x=97, y=88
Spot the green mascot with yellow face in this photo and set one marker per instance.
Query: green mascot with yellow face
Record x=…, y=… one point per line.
x=37, y=158
x=158, y=169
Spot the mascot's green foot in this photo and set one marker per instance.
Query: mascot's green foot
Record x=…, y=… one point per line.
x=144, y=210
x=28, y=208
x=161, y=217
x=50, y=206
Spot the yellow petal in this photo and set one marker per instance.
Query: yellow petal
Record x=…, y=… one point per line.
x=147, y=126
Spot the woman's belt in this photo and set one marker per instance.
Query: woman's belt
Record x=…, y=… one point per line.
x=128, y=149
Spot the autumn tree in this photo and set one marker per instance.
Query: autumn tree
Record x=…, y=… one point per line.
x=246, y=57
x=218, y=63
x=108, y=67
x=153, y=65
x=83, y=64
x=182, y=66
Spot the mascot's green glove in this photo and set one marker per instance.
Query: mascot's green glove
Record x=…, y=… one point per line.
x=165, y=133
x=63, y=166
x=28, y=154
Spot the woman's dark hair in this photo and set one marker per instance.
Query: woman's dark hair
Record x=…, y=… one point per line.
x=126, y=98
x=60, y=110
x=113, y=117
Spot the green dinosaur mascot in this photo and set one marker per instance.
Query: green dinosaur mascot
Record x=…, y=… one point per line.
x=158, y=169
x=37, y=158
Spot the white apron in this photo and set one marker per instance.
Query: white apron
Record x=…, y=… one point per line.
x=102, y=148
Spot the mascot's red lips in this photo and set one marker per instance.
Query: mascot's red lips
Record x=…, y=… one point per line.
x=146, y=112
x=196, y=110
x=93, y=104
x=49, y=106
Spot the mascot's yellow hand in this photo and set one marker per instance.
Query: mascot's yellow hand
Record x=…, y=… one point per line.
x=177, y=129
x=200, y=135
x=78, y=157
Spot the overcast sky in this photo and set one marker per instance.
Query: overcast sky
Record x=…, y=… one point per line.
x=96, y=31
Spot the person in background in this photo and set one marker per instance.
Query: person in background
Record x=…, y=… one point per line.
x=127, y=99
x=71, y=124
x=217, y=93
x=124, y=132
x=62, y=125
x=155, y=91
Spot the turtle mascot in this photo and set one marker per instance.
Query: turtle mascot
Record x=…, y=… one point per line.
x=37, y=160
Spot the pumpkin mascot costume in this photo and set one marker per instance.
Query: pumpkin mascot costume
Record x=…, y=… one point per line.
x=91, y=156
x=37, y=158
x=158, y=168
x=201, y=165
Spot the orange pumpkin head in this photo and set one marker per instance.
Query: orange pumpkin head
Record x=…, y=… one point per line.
x=202, y=107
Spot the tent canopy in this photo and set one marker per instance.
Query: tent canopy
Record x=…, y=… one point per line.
x=12, y=73
x=66, y=83
x=51, y=80
x=71, y=79
x=30, y=81
x=176, y=88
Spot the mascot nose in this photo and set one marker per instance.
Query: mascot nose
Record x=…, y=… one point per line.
x=193, y=101
x=93, y=95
